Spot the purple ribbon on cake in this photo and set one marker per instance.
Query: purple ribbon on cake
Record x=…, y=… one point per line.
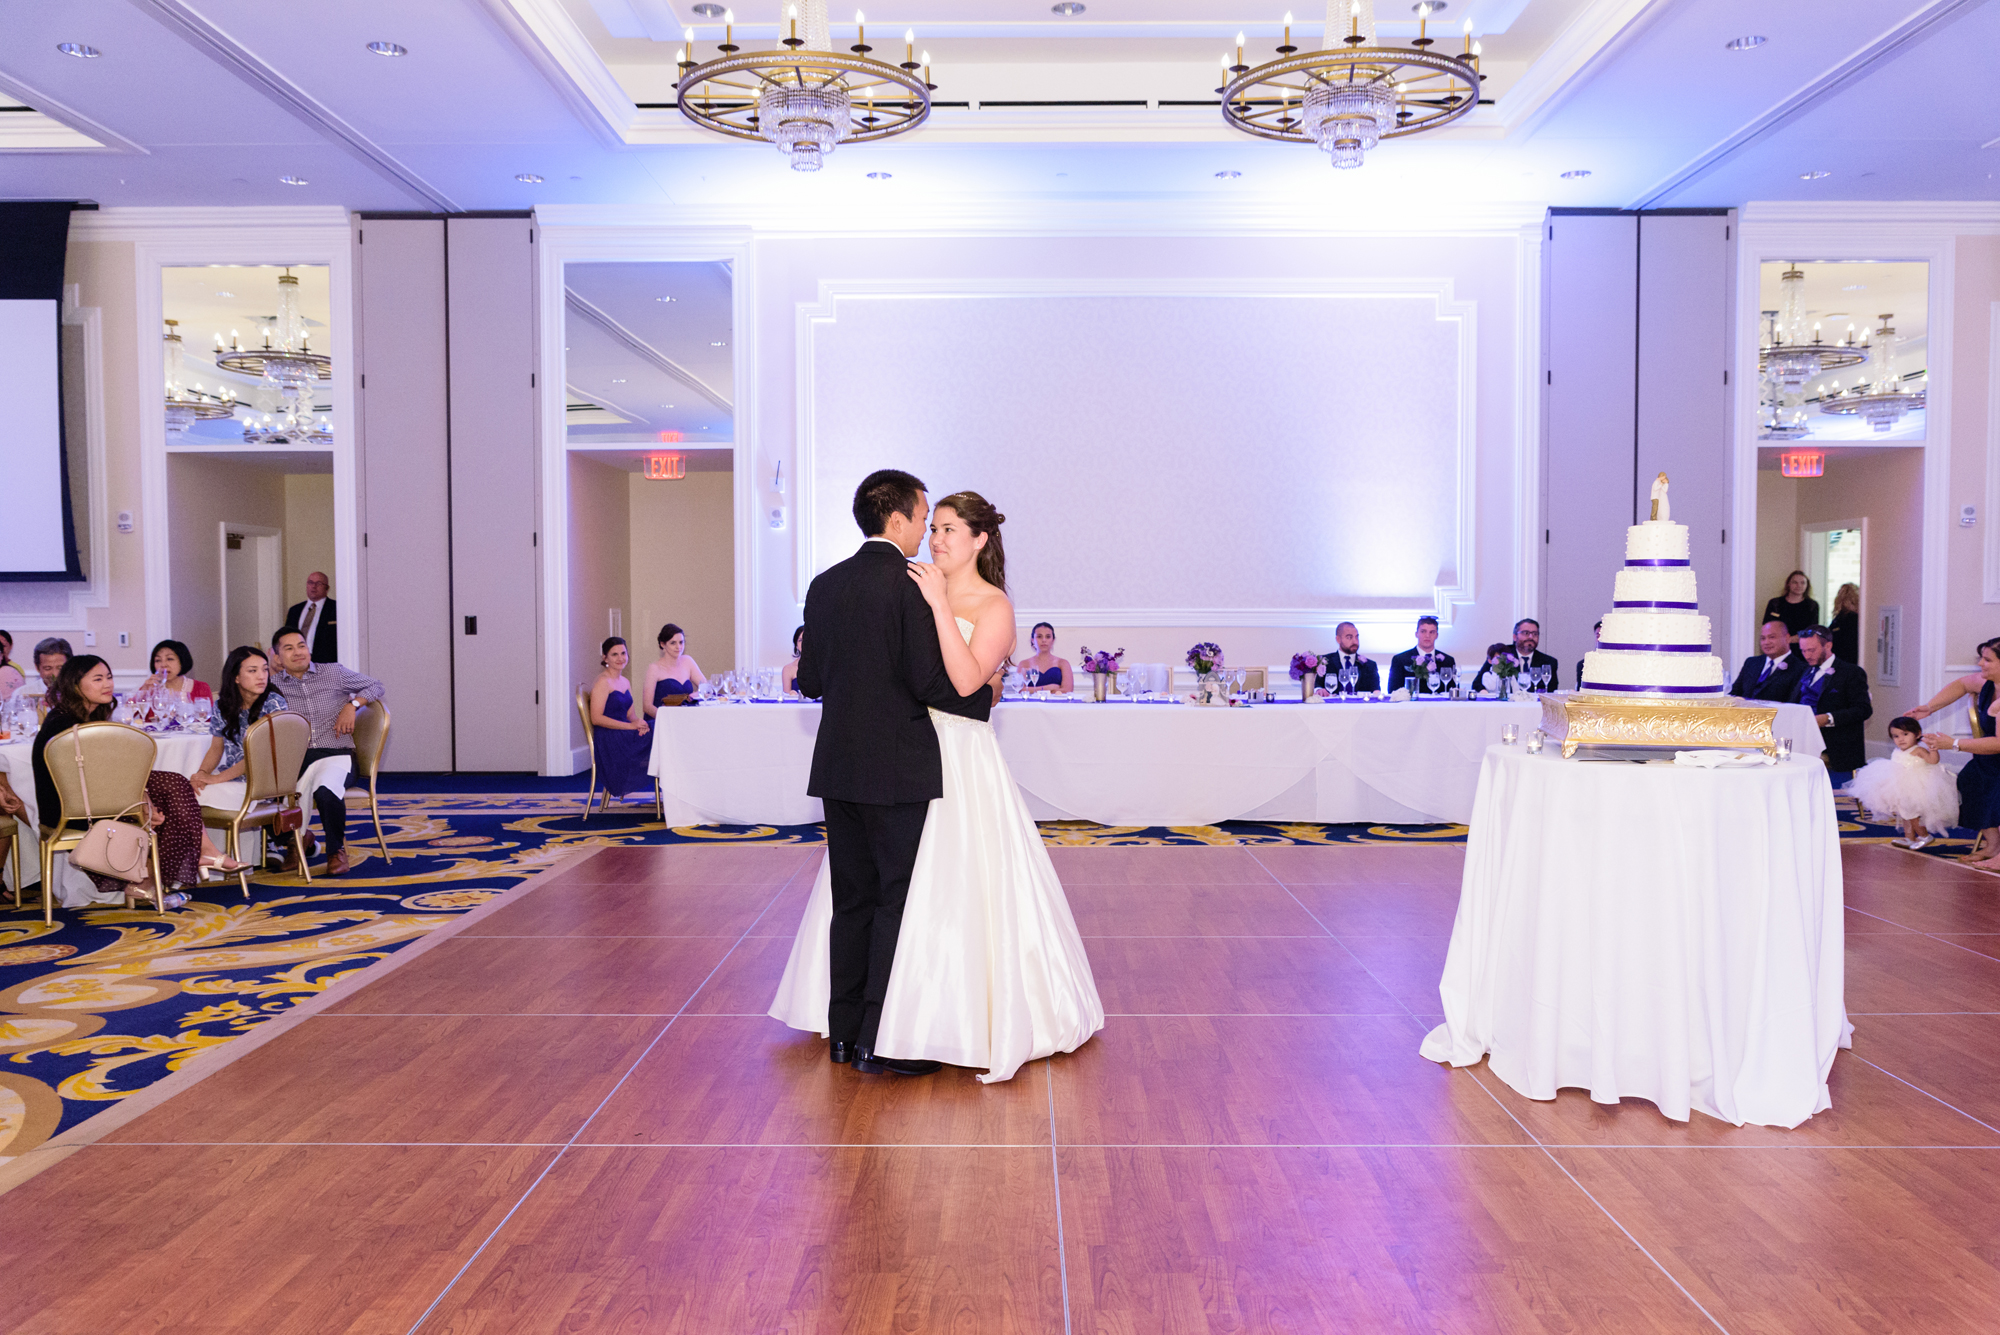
x=1685, y=607
x=1662, y=648
x=1659, y=563
x=1676, y=690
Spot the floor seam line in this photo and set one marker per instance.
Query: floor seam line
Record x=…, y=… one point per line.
x=1055, y=1174
x=582, y=1126
x=1921, y=1090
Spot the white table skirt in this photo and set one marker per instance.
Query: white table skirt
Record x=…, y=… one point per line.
x=1137, y=764
x=178, y=752
x=1650, y=931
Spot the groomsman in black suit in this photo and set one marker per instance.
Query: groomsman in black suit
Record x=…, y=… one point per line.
x=1596, y=638
x=1837, y=693
x=1526, y=655
x=1412, y=666
x=1773, y=674
x=314, y=619
x=1368, y=679
x=872, y=659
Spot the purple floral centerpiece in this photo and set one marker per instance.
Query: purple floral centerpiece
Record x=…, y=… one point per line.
x=1205, y=657
x=1304, y=665
x=1104, y=660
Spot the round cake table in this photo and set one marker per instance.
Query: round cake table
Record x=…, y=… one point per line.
x=1651, y=930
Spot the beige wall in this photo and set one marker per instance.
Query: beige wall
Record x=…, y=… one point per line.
x=308, y=532
x=203, y=492
x=1777, y=537
x=600, y=571
x=1969, y=618
x=684, y=566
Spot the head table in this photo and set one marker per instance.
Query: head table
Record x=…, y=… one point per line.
x=1145, y=763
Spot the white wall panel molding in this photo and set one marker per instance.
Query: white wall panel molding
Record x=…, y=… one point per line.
x=1855, y=232
x=310, y=225
x=560, y=242
x=1990, y=542
x=1456, y=581
x=1528, y=549
x=236, y=236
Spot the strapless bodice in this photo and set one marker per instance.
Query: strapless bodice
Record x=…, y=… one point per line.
x=964, y=628
x=667, y=686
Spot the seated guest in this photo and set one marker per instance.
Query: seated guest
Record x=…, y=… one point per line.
x=788, y=675
x=1846, y=623
x=328, y=694
x=619, y=737
x=10, y=805
x=172, y=664
x=1772, y=674
x=1837, y=693
x=1044, y=671
x=246, y=697
x=50, y=655
x=11, y=676
x=1596, y=638
x=673, y=672
x=1795, y=607
x=1413, y=667
x=1524, y=653
x=1367, y=680
x=83, y=693
x=1979, y=781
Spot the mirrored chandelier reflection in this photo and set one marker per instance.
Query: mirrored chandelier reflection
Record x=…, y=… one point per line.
x=1883, y=401
x=1781, y=413
x=189, y=402
x=1793, y=352
x=288, y=371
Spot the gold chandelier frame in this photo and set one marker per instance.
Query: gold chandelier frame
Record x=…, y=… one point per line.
x=886, y=100
x=1432, y=89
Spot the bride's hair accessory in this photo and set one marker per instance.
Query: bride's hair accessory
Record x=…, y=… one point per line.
x=978, y=514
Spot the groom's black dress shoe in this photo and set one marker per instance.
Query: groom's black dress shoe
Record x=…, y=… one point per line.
x=839, y=1051
x=867, y=1062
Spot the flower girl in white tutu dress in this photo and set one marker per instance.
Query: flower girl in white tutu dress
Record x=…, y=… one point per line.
x=1910, y=786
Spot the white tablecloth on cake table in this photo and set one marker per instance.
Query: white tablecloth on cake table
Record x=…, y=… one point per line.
x=1652, y=931
x=177, y=752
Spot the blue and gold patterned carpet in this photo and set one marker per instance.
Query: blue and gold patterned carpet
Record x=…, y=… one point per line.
x=107, y=1001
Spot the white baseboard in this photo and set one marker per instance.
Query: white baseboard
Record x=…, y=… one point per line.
x=579, y=759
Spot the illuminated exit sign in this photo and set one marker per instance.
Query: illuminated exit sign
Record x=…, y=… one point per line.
x=666, y=467
x=1802, y=463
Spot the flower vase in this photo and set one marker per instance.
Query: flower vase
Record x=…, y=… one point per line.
x=1306, y=689
x=1100, y=686
x=1506, y=688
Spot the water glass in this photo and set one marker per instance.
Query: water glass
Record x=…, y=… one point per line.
x=1784, y=748
x=1509, y=733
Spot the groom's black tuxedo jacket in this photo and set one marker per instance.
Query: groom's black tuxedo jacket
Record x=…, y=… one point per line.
x=871, y=658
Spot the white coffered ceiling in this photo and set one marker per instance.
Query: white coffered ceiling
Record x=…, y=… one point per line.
x=213, y=101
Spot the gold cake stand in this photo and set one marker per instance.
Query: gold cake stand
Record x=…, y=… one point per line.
x=1598, y=718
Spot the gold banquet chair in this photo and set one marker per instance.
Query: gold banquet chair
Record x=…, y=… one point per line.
x=371, y=737
x=117, y=760
x=274, y=751
x=18, y=831
x=590, y=743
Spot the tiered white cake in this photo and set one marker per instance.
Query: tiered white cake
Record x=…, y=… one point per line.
x=1655, y=640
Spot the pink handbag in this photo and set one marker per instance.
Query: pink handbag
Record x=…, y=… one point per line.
x=111, y=846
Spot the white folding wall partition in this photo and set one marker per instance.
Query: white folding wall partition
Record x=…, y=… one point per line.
x=451, y=607
x=1635, y=381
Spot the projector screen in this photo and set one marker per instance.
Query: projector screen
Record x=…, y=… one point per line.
x=37, y=530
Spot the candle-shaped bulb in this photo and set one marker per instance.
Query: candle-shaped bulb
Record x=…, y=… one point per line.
x=910, y=44
x=1239, y=48
x=1475, y=50
x=860, y=19
x=687, y=35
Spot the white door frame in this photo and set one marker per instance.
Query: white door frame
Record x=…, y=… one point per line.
x=1826, y=594
x=270, y=579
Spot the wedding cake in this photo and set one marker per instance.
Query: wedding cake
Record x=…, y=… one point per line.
x=1654, y=641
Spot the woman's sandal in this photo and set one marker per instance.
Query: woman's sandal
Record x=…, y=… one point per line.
x=227, y=866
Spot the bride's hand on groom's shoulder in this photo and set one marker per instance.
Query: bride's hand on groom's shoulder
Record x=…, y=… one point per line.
x=930, y=581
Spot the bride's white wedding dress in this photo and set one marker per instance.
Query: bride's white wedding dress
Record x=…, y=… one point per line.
x=990, y=971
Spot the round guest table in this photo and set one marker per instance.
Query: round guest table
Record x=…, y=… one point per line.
x=1120, y=763
x=178, y=752
x=1650, y=930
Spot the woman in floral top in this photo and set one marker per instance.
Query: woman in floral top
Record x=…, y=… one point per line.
x=246, y=697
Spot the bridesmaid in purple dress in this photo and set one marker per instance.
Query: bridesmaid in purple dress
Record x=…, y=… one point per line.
x=620, y=736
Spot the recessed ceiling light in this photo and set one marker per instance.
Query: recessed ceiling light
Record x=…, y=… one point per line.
x=1430, y=8
x=617, y=381
x=1227, y=175
x=880, y=176
x=527, y=178
x=225, y=294
x=708, y=11
x=1855, y=287
x=388, y=49
x=718, y=343
x=1069, y=9
x=293, y=180
x=1576, y=175
x=1745, y=43
x=1813, y=176
x=662, y=298
x=82, y=52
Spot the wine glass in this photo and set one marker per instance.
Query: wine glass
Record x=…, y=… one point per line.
x=1450, y=675
x=1348, y=676
x=1435, y=682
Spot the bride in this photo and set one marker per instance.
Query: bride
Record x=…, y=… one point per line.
x=990, y=972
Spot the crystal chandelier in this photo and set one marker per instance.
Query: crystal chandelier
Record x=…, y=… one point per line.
x=1351, y=94
x=1793, y=356
x=805, y=98
x=1781, y=413
x=288, y=369
x=190, y=403
x=1883, y=402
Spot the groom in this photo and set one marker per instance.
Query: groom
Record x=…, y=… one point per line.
x=872, y=659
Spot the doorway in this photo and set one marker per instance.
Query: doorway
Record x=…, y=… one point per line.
x=253, y=562
x=1830, y=554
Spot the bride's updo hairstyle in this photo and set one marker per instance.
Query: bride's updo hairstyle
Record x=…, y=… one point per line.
x=978, y=515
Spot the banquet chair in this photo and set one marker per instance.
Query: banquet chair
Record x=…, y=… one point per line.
x=371, y=736
x=117, y=760
x=17, y=829
x=590, y=742
x=274, y=751
x=1253, y=679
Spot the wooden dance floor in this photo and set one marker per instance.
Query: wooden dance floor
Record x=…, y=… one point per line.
x=573, y=1115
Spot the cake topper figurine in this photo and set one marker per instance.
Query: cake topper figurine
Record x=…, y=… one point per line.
x=1660, y=512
